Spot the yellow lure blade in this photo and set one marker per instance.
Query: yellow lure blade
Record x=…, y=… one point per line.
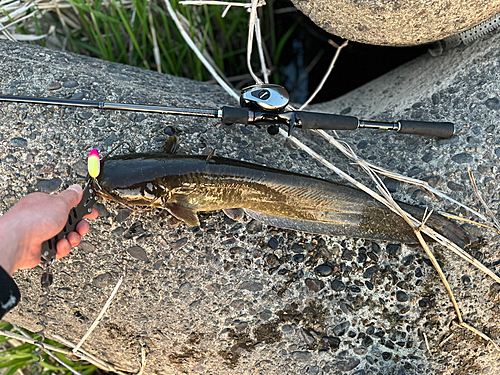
x=94, y=163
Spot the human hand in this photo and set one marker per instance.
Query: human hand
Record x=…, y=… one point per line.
x=34, y=219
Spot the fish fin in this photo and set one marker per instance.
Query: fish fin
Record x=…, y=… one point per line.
x=187, y=215
x=210, y=156
x=171, y=145
x=454, y=232
x=346, y=228
x=234, y=213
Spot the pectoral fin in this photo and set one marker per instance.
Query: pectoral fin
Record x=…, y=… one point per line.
x=234, y=213
x=171, y=146
x=187, y=215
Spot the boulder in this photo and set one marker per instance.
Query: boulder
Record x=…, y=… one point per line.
x=397, y=23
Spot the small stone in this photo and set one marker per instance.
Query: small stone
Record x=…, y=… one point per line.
x=393, y=249
x=308, y=338
x=102, y=280
x=179, y=244
x=237, y=304
x=386, y=356
x=86, y=247
x=323, y=270
x=367, y=341
x=314, y=285
x=347, y=255
x=54, y=86
x=360, y=350
x=252, y=286
x=298, y=258
x=341, y=329
x=354, y=288
x=402, y=296
x=361, y=258
x=10, y=159
x=18, y=142
x=101, y=209
x=369, y=272
x=362, y=145
x=492, y=103
x=369, y=285
x=418, y=272
x=313, y=370
x=338, y=285
x=158, y=265
x=254, y=226
x=48, y=186
x=185, y=287
x=271, y=259
x=78, y=96
x=296, y=248
x=265, y=315
x=372, y=256
x=273, y=243
x=70, y=84
x=424, y=303
x=462, y=158
x=454, y=186
x=348, y=365
x=494, y=290
x=138, y=252
x=391, y=184
x=122, y=214
x=302, y=356
x=497, y=152
x=407, y=260
x=85, y=115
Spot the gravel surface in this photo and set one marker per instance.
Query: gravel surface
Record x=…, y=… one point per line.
x=241, y=297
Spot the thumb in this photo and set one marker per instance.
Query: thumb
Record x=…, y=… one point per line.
x=72, y=195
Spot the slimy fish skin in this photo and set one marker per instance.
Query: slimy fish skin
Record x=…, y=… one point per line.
x=185, y=185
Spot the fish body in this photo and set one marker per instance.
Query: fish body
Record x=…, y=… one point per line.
x=185, y=185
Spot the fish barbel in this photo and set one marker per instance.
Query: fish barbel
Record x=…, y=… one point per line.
x=185, y=185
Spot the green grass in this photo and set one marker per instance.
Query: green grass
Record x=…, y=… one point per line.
x=33, y=360
x=127, y=31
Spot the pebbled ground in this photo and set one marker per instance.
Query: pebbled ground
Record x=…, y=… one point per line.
x=240, y=297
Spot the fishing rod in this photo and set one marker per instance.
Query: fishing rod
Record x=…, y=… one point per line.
x=263, y=104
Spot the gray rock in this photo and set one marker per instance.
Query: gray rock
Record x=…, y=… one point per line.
x=48, y=186
x=138, y=252
x=302, y=356
x=19, y=142
x=407, y=22
x=251, y=286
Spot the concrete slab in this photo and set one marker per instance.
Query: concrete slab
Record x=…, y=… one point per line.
x=240, y=298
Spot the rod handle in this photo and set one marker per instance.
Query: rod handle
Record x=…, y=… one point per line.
x=231, y=115
x=430, y=129
x=327, y=121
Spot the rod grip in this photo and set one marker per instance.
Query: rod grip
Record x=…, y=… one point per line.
x=430, y=129
x=231, y=115
x=327, y=121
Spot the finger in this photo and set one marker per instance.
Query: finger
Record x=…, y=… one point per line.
x=92, y=215
x=73, y=238
x=82, y=228
x=72, y=195
x=63, y=248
